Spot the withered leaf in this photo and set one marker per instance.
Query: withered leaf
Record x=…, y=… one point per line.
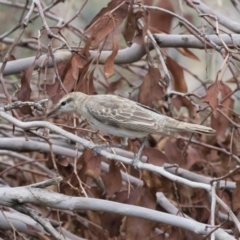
x=155, y=156
x=150, y=85
x=194, y=159
x=172, y=150
x=53, y=89
x=25, y=90
x=108, y=19
x=138, y=228
x=236, y=145
x=130, y=27
x=70, y=74
x=113, y=86
x=236, y=197
x=63, y=161
x=112, y=221
x=225, y=197
x=187, y=53
x=112, y=180
x=212, y=96
x=221, y=123
x=178, y=75
x=141, y=31
x=11, y=57
x=180, y=85
x=3, y=46
x=91, y=164
x=85, y=82
x=109, y=63
x=160, y=21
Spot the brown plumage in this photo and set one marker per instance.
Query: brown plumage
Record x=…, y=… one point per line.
x=123, y=117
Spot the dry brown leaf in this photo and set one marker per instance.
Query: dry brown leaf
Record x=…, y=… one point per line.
x=236, y=197
x=187, y=53
x=113, y=86
x=3, y=46
x=197, y=198
x=91, y=164
x=108, y=19
x=25, y=90
x=53, y=90
x=194, y=160
x=155, y=156
x=138, y=228
x=141, y=32
x=159, y=20
x=178, y=102
x=176, y=70
x=112, y=221
x=212, y=97
x=225, y=197
x=236, y=145
x=85, y=82
x=11, y=58
x=63, y=161
x=221, y=123
x=172, y=150
x=179, y=85
x=141, y=197
x=130, y=27
x=150, y=85
x=109, y=63
x=112, y=180
x=70, y=74
x=189, y=235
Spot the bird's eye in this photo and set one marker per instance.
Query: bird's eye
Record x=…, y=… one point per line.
x=63, y=103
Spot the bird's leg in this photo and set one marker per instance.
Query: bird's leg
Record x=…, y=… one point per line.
x=98, y=148
x=138, y=155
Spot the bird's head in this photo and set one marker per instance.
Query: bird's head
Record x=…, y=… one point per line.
x=66, y=104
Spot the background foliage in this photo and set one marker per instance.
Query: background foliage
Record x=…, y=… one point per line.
x=178, y=57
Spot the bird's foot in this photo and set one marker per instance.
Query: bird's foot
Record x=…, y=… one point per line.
x=135, y=161
x=98, y=148
x=167, y=165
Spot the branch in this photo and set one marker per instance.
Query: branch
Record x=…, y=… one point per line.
x=63, y=202
x=223, y=20
x=21, y=145
x=21, y=223
x=44, y=222
x=126, y=55
x=39, y=105
x=110, y=156
x=60, y=148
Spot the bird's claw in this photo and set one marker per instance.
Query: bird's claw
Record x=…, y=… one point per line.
x=167, y=165
x=135, y=162
x=98, y=148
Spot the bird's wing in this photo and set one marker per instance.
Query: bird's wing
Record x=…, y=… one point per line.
x=129, y=115
x=121, y=113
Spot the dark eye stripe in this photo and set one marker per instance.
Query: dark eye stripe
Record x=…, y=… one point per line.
x=63, y=103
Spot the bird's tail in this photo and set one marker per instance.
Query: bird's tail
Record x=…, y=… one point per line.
x=195, y=128
x=178, y=126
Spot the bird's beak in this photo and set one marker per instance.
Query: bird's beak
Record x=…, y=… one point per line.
x=55, y=109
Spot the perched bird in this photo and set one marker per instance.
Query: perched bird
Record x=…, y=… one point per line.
x=124, y=118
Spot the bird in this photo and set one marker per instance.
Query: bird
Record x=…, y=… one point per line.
x=124, y=118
